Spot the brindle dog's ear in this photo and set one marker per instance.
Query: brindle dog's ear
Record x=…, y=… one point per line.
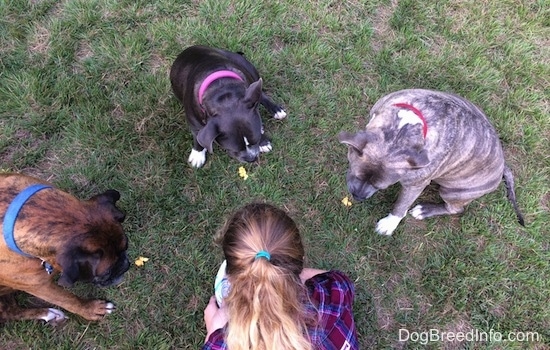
x=207, y=135
x=409, y=144
x=417, y=158
x=358, y=140
x=253, y=94
x=408, y=158
x=109, y=198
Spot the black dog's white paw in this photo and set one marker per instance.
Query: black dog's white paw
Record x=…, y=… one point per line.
x=197, y=158
x=281, y=114
x=266, y=147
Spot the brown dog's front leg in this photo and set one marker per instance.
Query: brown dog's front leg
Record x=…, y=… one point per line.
x=92, y=310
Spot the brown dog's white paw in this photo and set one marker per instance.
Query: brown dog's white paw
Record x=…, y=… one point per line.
x=197, y=158
x=54, y=316
x=98, y=309
x=109, y=308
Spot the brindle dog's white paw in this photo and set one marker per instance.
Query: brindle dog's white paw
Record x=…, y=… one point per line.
x=387, y=225
x=280, y=115
x=54, y=316
x=197, y=158
x=266, y=148
x=417, y=212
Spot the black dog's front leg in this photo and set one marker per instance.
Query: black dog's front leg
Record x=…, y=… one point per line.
x=197, y=157
x=275, y=110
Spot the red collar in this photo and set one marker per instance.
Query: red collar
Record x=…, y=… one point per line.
x=215, y=76
x=418, y=114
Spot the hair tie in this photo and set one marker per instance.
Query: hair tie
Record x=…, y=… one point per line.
x=263, y=254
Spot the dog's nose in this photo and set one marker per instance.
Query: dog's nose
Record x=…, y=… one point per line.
x=251, y=156
x=361, y=191
x=250, y=159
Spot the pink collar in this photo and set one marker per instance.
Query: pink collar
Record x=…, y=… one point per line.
x=215, y=76
x=418, y=114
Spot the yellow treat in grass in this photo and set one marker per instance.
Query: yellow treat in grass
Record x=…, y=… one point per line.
x=242, y=173
x=141, y=260
x=346, y=202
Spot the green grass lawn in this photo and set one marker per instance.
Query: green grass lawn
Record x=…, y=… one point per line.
x=85, y=102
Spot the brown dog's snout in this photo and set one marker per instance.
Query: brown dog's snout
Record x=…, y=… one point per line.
x=116, y=274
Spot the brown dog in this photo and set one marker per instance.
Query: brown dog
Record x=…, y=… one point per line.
x=50, y=232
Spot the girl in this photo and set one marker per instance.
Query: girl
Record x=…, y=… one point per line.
x=274, y=302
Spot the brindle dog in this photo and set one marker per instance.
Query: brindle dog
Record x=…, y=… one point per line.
x=419, y=136
x=55, y=233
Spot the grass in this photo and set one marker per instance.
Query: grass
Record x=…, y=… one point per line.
x=86, y=103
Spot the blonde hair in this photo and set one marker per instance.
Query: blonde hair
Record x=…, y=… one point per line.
x=265, y=306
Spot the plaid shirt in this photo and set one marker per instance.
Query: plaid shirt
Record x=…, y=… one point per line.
x=333, y=294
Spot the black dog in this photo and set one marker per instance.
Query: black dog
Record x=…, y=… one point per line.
x=220, y=92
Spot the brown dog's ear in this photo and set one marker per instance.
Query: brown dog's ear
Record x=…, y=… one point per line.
x=358, y=140
x=109, y=198
x=69, y=266
x=207, y=135
x=253, y=94
x=75, y=266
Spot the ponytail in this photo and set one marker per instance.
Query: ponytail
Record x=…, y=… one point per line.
x=265, y=306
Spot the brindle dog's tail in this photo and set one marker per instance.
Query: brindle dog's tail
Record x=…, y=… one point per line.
x=509, y=182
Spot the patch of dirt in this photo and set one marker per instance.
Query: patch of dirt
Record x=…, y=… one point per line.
x=384, y=317
x=545, y=202
x=39, y=43
x=380, y=25
x=460, y=325
x=159, y=63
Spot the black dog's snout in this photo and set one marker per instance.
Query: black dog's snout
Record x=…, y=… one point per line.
x=251, y=158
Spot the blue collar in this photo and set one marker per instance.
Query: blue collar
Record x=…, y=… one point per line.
x=11, y=215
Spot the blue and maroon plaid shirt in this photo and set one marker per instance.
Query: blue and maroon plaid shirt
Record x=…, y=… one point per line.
x=332, y=293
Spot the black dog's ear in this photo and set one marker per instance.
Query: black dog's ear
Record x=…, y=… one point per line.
x=253, y=94
x=207, y=135
x=358, y=140
x=109, y=198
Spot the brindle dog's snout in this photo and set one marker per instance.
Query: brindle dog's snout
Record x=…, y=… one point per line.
x=360, y=190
